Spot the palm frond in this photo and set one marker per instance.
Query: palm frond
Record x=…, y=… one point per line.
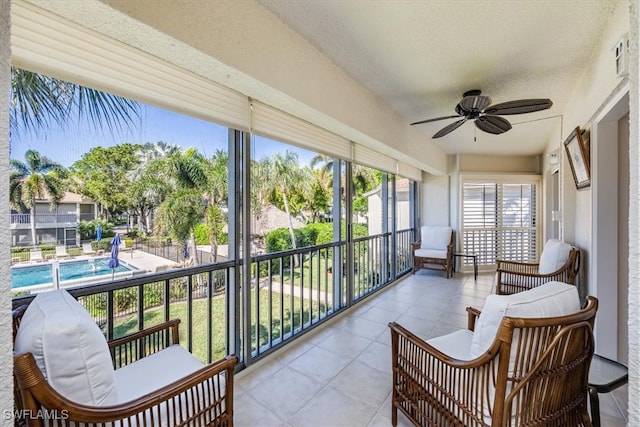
x=38, y=102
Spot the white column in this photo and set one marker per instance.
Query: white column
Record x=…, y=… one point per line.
x=634, y=215
x=6, y=331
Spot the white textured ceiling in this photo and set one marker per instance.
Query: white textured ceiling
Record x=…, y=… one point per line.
x=419, y=57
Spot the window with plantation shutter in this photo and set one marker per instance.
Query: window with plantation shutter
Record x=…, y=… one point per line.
x=499, y=220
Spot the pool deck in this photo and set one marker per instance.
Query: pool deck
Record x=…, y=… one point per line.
x=144, y=260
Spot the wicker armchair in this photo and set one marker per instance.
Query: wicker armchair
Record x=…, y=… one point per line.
x=434, y=251
x=202, y=397
x=535, y=374
x=512, y=277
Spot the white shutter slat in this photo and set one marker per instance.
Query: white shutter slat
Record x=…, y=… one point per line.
x=408, y=171
x=499, y=220
x=367, y=157
x=272, y=123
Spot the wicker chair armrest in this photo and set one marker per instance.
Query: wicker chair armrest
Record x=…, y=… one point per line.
x=135, y=346
x=472, y=315
x=517, y=267
x=422, y=379
x=415, y=245
x=402, y=333
x=211, y=386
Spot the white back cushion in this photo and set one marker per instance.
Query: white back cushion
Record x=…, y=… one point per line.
x=548, y=300
x=69, y=348
x=554, y=255
x=435, y=237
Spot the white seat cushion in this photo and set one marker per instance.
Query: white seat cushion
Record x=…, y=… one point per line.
x=554, y=255
x=435, y=237
x=548, y=300
x=154, y=371
x=69, y=348
x=456, y=344
x=430, y=253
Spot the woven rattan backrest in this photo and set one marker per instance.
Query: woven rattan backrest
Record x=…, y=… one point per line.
x=553, y=354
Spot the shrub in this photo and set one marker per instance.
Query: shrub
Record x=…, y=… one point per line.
x=201, y=234
x=278, y=240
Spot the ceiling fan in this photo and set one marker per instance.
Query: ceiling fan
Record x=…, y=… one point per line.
x=478, y=108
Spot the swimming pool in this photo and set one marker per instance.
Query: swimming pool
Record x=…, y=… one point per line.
x=41, y=274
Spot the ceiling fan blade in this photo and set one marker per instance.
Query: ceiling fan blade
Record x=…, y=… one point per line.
x=449, y=128
x=434, y=120
x=519, y=106
x=474, y=103
x=493, y=124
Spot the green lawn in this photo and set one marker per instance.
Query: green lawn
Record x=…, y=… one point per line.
x=129, y=324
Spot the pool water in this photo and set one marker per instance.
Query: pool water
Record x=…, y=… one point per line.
x=71, y=270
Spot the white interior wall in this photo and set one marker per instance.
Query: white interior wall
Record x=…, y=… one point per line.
x=623, y=239
x=6, y=343
x=594, y=93
x=604, y=255
x=634, y=215
x=592, y=89
x=436, y=191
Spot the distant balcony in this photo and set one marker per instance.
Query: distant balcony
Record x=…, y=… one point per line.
x=48, y=220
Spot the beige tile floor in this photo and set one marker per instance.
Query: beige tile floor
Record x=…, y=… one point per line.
x=339, y=374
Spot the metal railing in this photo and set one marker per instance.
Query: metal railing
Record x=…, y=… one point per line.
x=53, y=218
x=290, y=293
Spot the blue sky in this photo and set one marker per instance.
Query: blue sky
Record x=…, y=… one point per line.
x=67, y=145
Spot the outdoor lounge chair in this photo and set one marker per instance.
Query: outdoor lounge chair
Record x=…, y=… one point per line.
x=122, y=248
x=434, y=251
x=87, y=249
x=61, y=251
x=559, y=261
x=184, y=264
x=36, y=255
x=523, y=361
x=156, y=382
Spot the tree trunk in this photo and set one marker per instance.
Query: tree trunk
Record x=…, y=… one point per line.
x=285, y=200
x=32, y=215
x=293, y=235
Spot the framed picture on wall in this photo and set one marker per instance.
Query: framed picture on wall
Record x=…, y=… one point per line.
x=578, y=159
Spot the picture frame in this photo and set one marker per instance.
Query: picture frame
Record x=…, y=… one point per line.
x=578, y=159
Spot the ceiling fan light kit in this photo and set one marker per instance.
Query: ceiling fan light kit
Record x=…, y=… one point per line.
x=478, y=108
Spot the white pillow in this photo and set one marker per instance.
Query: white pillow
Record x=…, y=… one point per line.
x=554, y=255
x=69, y=348
x=435, y=237
x=548, y=300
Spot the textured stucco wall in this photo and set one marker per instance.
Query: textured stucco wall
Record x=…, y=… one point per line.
x=634, y=217
x=6, y=347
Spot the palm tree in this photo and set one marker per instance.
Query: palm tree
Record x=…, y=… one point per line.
x=37, y=178
x=178, y=215
x=216, y=190
x=39, y=101
x=286, y=175
x=186, y=172
x=363, y=179
x=159, y=150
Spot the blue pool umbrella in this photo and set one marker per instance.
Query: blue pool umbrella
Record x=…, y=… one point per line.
x=113, y=261
x=99, y=232
x=185, y=252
